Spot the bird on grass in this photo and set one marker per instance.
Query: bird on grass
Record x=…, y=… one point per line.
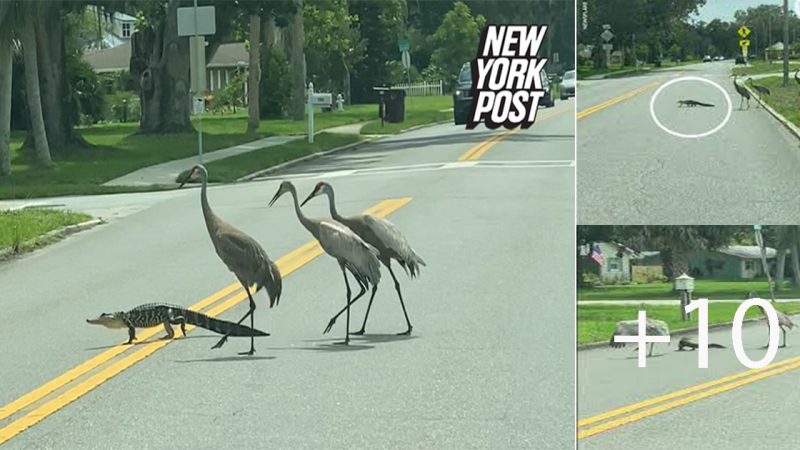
x=631, y=328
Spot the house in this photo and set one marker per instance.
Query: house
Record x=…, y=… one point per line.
x=117, y=29
x=732, y=262
x=615, y=258
x=228, y=59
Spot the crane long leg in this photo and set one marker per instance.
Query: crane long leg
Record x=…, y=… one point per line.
x=369, y=305
x=402, y=304
x=783, y=330
x=341, y=311
x=347, y=307
x=250, y=312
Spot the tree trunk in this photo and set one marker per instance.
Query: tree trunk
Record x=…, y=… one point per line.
x=780, y=266
x=160, y=62
x=254, y=75
x=298, y=66
x=41, y=148
x=60, y=116
x=6, y=63
x=678, y=264
x=796, y=264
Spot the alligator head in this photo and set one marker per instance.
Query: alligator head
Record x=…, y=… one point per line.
x=109, y=320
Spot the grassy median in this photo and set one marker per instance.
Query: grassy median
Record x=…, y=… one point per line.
x=597, y=322
x=21, y=226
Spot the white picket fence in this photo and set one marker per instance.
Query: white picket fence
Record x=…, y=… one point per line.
x=423, y=89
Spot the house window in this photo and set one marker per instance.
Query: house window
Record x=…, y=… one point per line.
x=126, y=30
x=614, y=265
x=748, y=265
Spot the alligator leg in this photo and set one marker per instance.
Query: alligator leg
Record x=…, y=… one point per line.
x=169, y=330
x=131, y=334
x=179, y=320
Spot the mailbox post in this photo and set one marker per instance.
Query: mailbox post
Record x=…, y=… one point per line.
x=685, y=285
x=320, y=99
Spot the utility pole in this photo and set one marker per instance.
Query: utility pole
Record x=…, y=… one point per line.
x=785, y=43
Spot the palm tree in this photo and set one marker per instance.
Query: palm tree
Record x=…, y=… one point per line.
x=23, y=15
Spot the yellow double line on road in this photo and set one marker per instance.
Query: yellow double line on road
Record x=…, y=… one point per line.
x=475, y=153
x=637, y=411
x=66, y=388
x=613, y=101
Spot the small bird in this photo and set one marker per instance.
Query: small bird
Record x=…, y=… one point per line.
x=631, y=328
x=242, y=254
x=349, y=250
x=385, y=237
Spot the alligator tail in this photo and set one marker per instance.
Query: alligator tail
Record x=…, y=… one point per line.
x=220, y=326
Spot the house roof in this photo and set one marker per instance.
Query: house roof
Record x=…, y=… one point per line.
x=746, y=251
x=118, y=58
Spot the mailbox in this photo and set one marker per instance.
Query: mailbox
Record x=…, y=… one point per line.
x=321, y=99
x=684, y=283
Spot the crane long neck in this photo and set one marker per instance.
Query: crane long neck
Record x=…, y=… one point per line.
x=208, y=214
x=332, y=204
x=310, y=225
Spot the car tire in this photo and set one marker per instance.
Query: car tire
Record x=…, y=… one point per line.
x=460, y=119
x=563, y=97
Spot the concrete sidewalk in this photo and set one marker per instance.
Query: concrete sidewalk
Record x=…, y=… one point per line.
x=670, y=302
x=165, y=173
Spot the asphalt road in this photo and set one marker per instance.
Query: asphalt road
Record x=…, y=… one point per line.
x=632, y=172
x=757, y=414
x=497, y=234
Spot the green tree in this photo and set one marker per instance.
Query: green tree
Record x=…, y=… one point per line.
x=456, y=40
x=380, y=24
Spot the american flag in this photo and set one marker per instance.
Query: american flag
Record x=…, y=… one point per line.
x=597, y=256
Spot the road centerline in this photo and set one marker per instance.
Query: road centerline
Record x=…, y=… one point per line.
x=682, y=397
x=287, y=264
x=613, y=101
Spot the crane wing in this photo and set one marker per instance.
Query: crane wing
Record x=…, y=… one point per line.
x=244, y=256
x=343, y=244
x=390, y=236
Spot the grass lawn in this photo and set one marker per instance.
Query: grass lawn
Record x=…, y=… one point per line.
x=597, y=322
x=757, y=67
x=711, y=289
x=782, y=99
x=588, y=71
x=230, y=169
x=419, y=111
x=20, y=226
x=119, y=151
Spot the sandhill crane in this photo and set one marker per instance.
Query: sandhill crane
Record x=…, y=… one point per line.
x=631, y=328
x=743, y=92
x=763, y=90
x=242, y=254
x=784, y=321
x=350, y=251
x=385, y=237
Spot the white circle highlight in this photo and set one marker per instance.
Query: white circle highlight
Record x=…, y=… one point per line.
x=690, y=136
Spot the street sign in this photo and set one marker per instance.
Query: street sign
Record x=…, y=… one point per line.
x=205, y=20
x=607, y=35
x=406, y=59
x=403, y=44
x=744, y=43
x=743, y=31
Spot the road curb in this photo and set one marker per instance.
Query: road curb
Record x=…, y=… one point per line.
x=49, y=237
x=681, y=332
x=352, y=146
x=794, y=129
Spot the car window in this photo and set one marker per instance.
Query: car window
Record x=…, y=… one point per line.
x=569, y=75
x=466, y=74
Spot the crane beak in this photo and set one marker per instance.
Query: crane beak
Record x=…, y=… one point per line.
x=277, y=194
x=310, y=196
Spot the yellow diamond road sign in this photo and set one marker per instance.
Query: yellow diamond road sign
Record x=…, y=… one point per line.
x=743, y=31
x=744, y=43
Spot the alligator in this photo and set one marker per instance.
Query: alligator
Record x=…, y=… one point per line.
x=152, y=314
x=686, y=342
x=692, y=103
